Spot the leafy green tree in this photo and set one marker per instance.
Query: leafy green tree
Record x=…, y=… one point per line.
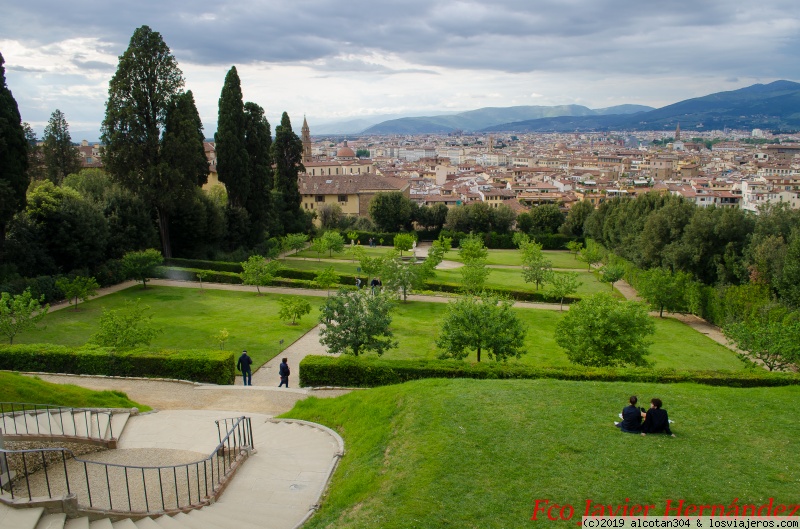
x=474, y=274
x=35, y=157
x=20, y=313
x=221, y=337
x=259, y=271
x=486, y=324
x=403, y=242
x=524, y=223
x=258, y=142
x=60, y=156
x=293, y=308
x=591, y=255
x=334, y=242
x=600, y=331
x=663, y=289
x=126, y=328
x=611, y=273
x=574, y=248
x=536, y=268
x=202, y=274
x=769, y=336
x=403, y=276
x=295, y=241
x=330, y=216
x=546, y=219
x=357, y=322
x=130, y=222
x=352, y=236
x=576, y=218
x=391, y=212
x=371, y=266
x=563, y=285
x=287, y=157
x=71, y=228
x=356, y=252
x=232, y=157
x=139, y=97
x=472, y=247
x=14, y=178
x=141, y=265
x=78, y=288
x=326, y=278
x=320, y=246
x=789, y=286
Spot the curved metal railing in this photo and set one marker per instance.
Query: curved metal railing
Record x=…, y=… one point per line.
x=129, y=488
x=23, y=418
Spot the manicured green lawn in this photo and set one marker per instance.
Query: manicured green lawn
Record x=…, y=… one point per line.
x=675, y=345
x=371, y=252
x=511, y=278
x=317, y=266
x=190, y=318
x=478, y=454
x=18, y=388
x=559, y=258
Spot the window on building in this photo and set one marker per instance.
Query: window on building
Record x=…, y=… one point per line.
x=342, y=198
x=319, y=198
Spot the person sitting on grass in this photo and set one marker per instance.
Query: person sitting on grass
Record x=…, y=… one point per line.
x=656, y=419
x=631, y=417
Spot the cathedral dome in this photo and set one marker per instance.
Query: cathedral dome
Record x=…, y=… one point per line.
x=345, y=152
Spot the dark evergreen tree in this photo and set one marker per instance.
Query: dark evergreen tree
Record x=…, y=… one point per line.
x=35, y=161
x=258, y=141
x=232, y=158
x=14, y=177
x=287, y=156
x=61, y=158
x=139, y=97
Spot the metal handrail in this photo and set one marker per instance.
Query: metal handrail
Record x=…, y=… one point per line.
x=101, y=495
x=86, y=418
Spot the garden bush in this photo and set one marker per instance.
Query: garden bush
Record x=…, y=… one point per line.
x=211, y=366
x=371, y=372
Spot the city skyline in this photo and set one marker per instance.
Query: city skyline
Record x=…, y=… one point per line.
x=330, y=61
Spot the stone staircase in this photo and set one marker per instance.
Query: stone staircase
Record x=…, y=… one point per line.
x=277, y=487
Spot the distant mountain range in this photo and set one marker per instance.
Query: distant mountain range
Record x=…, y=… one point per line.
x=474, y=120
x=774, y=106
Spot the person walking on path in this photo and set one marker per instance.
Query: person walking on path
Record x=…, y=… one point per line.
x=243, y=365
x=284, y=372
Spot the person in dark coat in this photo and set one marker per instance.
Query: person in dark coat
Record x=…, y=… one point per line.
x=284, y=372
x=631, y=417
x=243, y=365
x=656, y=419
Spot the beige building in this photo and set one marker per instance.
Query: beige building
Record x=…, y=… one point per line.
x=352, y=193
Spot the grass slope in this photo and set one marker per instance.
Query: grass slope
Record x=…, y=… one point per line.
x=477, y=454
x=189, y=317
x=18, y=388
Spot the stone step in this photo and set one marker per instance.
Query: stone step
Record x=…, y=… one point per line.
x=103, y=523
x=52, y=521
x=75, y=424
x=146, y=523
x=217, y=518
x=125, y=523
x=77, y=523
x=99, y=423
x=11, y=518
x=118, y=422
x=189, y=522
x=166, y=522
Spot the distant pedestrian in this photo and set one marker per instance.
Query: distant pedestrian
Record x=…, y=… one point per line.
x=243, y=365
x=284, y=372
x=358, y=283
x=376, y=283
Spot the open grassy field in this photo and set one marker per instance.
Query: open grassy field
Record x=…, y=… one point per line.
x=18, y=388
x=675, y=345
x=511, y=278
x=559, y=258
x=189, y=317
x=371, y=252
x=478, y=454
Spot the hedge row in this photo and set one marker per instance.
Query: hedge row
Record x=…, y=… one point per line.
x=200, y=365
x=348, y=371
x=200, y=264
x=106, y=274
x=536, y=297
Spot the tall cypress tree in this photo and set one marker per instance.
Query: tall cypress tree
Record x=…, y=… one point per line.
x=232, y=157
x=258, y=141
x=60, y=156
x=139, y=95
x=287, y=155
x=14, y=177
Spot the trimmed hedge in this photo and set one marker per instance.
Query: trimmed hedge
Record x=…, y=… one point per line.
x=190, y=274
x=200, y=264
x=348, y=371
x=199, y=365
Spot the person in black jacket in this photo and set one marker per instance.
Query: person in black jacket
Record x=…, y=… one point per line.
x=656, y=419
x=284, y=372
x=243, y=365
x=631, y=417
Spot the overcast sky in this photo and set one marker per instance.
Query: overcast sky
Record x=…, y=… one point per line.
x=331, y=60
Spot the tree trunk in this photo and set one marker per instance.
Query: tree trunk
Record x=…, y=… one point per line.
x=163, y=229
x=479, y=354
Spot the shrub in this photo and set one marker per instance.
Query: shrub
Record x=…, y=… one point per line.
x=372, y=372
x=212, y=366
